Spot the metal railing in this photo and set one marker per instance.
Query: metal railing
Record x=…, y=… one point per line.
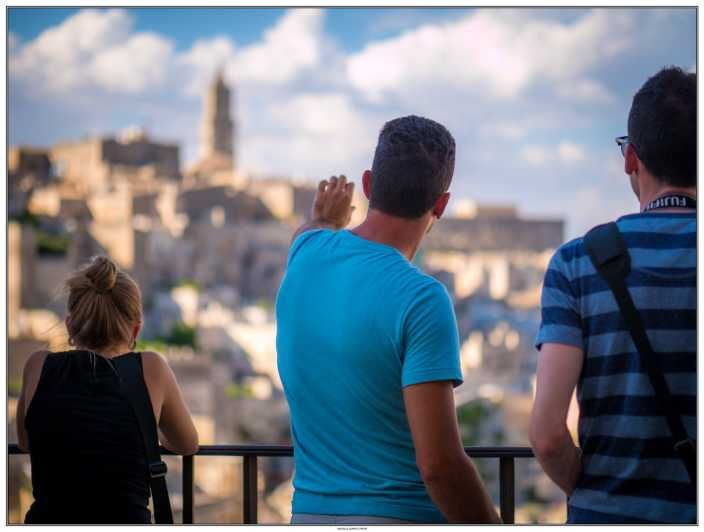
x=250, y=454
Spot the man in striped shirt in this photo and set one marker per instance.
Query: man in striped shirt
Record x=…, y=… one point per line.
x=625, y=469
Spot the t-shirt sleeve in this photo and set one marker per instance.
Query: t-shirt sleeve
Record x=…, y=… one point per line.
x=301, y=240
x=431, y=340
x=561, y=322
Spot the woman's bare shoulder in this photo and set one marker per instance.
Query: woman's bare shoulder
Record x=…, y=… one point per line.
x=155, y=364
x=35, y=361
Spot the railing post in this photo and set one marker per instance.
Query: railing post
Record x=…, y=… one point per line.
x=507, y=486
x=187, y=489
x=249, y=489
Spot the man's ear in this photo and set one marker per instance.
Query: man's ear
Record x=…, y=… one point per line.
x=440, y=204
x=367, y=183
x=631, y=163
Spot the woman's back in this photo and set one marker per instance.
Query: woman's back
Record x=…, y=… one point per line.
x=87, y=454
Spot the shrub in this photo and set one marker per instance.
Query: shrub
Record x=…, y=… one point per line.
x=188, y=282
x=238, y=391
x=50, y=244
x=182, y=334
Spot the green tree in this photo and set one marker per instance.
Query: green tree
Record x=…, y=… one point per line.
x=182, y=335
x=470, y=417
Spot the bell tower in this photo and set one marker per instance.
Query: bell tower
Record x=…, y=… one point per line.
x=217, y=127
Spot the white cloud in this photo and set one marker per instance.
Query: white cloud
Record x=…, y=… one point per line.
x=585, y=90
x=615, y=168
x=472, y=52
x=320, y=133
x=319, y=114
x=137, y=64
x=99, y=49
x=204, y=58
x=566, y=152
x=497, y=53
x=594, y=203
x=570, y=152
x=291, y=46
x=535, y=155
x=93, y=48
x=509, y=130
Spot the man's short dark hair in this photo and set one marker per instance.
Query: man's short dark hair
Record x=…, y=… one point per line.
x=662, y=126
x=413, y=165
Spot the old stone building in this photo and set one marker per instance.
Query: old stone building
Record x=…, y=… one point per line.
x=91, y=164
x=112, y=224
x=492, y=252
x=495, y=232
x=28, y=168
x=291, y=200
x=24, y=160
x=221, y=205
x=286, y=200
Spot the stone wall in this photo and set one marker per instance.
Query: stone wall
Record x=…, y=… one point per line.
x=80, y=164
x=112, y=223
x=489, y=234
x=90, y=164
x=29, y=161
x=197, y=204
x=142, y=152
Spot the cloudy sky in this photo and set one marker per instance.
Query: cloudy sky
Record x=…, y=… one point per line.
x=534, y=97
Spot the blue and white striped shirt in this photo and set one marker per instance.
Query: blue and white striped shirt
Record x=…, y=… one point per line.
x=629, y=467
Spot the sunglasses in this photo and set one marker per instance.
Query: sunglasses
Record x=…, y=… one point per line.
x=622, y=141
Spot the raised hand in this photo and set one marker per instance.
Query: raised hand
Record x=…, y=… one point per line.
x=333, y=202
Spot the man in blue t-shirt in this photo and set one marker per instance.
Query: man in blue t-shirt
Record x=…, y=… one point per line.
x=368, y=349
x=625, y=469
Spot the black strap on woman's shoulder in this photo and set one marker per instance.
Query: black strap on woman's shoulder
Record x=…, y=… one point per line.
x=609, y=255
x=129, y=369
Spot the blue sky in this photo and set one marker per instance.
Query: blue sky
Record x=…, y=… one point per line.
x=534, y=97
x=352, y=28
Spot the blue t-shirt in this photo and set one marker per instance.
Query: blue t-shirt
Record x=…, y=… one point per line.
x=356, y=322
x=630, y=471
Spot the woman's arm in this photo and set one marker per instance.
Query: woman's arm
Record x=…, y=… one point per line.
x=30, y=379
x=176, y=429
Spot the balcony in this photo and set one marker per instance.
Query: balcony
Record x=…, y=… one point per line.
x=250, y=453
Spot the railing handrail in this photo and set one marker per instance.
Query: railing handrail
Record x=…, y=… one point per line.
x=480, y=451
x=250, y=454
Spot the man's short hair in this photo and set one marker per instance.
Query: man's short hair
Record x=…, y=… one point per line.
x=413, y=165
x=662, y=126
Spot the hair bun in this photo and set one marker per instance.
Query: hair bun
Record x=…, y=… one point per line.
x=102, y=274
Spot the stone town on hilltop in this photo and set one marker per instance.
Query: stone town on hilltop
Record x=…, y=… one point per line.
x=208, y=247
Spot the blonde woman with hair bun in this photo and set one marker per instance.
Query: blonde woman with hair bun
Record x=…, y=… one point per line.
x=86, y=449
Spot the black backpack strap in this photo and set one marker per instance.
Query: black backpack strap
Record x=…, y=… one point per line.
x=609, y=255
x=129, y=369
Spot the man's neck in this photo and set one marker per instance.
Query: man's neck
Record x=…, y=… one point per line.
x=647, y=196
x=401, y=233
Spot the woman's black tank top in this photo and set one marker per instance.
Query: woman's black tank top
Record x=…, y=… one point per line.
x=86, y=450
